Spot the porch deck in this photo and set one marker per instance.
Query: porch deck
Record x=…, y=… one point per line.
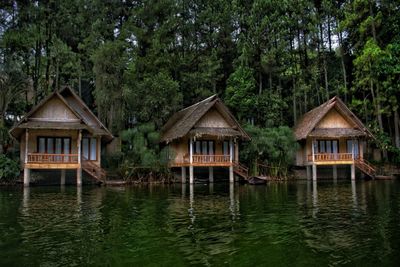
x=52, y=161
x=332, y=158
x=203, y=161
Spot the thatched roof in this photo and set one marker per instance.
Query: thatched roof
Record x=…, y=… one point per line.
x=183, y=122
x=86, y=119
x=306, y=126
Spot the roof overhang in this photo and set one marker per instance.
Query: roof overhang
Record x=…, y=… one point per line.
x=336, y=133
x=216, y=132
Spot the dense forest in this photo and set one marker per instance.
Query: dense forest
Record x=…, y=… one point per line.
x=137, y=62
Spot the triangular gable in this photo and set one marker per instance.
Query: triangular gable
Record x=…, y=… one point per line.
x=334, y=119
x=54, y=109
x=213, y=118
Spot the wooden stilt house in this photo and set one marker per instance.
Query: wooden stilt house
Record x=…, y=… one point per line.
x=61, y=133
x=332, y=135
x=205, y=134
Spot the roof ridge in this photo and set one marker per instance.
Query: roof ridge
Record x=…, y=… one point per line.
x=200, y=102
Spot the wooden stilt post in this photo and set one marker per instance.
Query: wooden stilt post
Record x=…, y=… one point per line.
x=27, y=176
x=211, y=174
x=308, y=170
x=27, y=172
x=191, y=171
x=231, y=176
x=63, y=174
x=313, y=149
x=314, y=172
x=334, y=169
x=183, y=174
x=353, y=171
x=79, y=170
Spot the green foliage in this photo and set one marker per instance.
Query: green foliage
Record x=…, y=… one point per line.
x=109, y=65
x=142, y=155
x=241, y=92
x=9, y=169
x=274, y=147
x=271, y=61
x=154, y=99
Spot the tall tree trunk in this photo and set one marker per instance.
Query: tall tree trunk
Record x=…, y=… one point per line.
x=324, y=61
x=329, y=34
x=371, y=13
x=294, y=102
x=270, y=80
x=344, y=73
x=396, y=129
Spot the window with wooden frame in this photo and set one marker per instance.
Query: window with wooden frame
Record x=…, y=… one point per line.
x=327, y=146
x=202, y=147
x=349, y=145
x=89, y=148
x=53, y=145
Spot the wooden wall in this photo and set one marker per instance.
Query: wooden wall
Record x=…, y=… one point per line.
x=54, y=110
x=333, y=120
x=212, y=119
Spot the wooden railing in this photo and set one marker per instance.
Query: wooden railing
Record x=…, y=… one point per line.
x=365, y=167
x=211, y=158
x=331, y=157
x=93, y=170
x=203, y=160
x=52, y=158
x=241, y=169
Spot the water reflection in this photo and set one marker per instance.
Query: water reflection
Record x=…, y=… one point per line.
x=327, y=224
x=354, y=194
x=315, y=198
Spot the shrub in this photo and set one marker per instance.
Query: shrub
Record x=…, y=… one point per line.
x=274, y=147
x=9, y=169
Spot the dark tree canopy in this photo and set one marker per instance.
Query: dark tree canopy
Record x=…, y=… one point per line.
x=137, y=62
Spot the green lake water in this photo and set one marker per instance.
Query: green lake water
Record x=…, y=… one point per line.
x=280, y=224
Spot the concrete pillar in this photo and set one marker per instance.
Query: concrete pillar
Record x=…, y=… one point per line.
x=63, y=172
x=353, y=172
x=334, y=169
x=27, y=176
x=79, y=177
x=183, y=175
x=211, y=174
x=308, y=170
x=314, y=172
x=191, y=174
x=231, y=176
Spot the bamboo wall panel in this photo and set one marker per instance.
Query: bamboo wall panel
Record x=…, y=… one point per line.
x=212, y=119
x=333, y=119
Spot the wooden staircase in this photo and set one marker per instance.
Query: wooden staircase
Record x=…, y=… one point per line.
x=241, y=170
x=94, y=171
x=366, y=167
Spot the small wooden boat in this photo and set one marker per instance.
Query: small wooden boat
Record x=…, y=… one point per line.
x=256, y=180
